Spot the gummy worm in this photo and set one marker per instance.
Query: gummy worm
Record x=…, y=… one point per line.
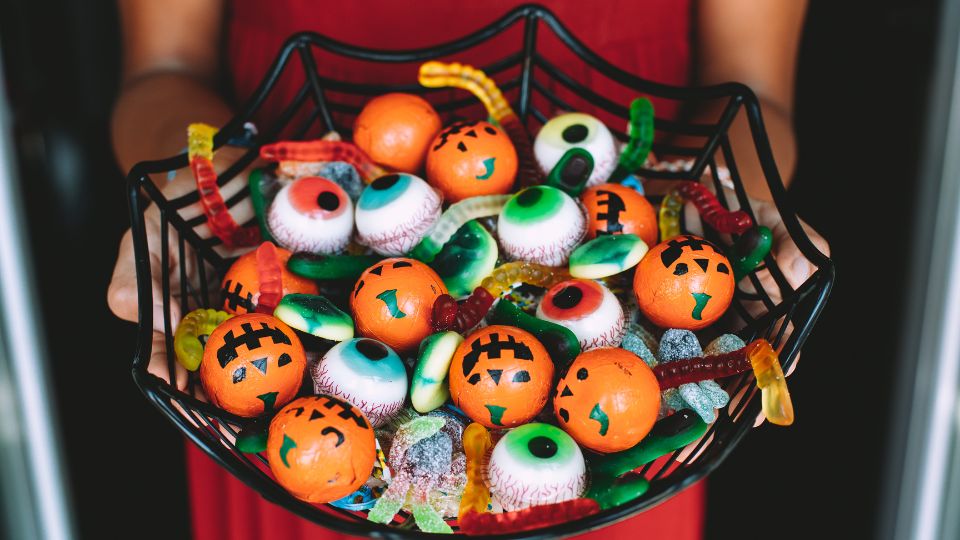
x=749, y=251
x=455, y=217
x=270, y=276
x=712, y=212
x=476, y=443
x=668, y=219
x=330, y=267
x=262, y=189
x=219, y=220
x=186, y=340
x=535, y=517
x=640, y=127
x=447, y=314
x=438, y=75
x=324, y=150
x=505, y=276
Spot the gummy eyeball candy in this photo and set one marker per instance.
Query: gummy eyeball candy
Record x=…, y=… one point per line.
x=393, y=302
x=320, y=448
x=685, y=282
x=252, y=364
x=586, y=308
x=617, y=209
x=536, y=464
x=312, y=214
x=240, y=289
x=395, y=212
x=579, y=130
x=471, y=159
x=608, y=400
x=396, y=130
x=500, y=376
x=541, y=224
x=366, y=373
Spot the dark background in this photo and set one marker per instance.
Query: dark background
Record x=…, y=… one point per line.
x=863, y=80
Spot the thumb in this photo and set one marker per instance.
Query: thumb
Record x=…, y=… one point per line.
x=122, y=296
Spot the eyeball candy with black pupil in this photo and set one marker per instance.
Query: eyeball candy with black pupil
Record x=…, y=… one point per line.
x=429, y=388
x=541, y=224
x=586, y=308
x=320, y=448
x=469, y=256
x=315, y=315
x=396, y=130
x=366, y=373
x=395, y=212
x=252, y=364
x=685, y=282
x=240, y=289
x=608, y=400
x=617, y=209
x=578, y=130
x=312, y=214
x=536, y=464
x=500, y=376
x=468, y=159
x=393, y=302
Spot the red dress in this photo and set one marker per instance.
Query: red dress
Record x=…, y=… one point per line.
x=651, y=38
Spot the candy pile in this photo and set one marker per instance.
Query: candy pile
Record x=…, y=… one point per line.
x=500, y=343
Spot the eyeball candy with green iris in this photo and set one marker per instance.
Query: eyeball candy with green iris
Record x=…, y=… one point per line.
x=577, y=130
x=365, y=373
x=536, y=464
x=311, y=214
x=394, y=213
x=541, y=224
x=586, y=308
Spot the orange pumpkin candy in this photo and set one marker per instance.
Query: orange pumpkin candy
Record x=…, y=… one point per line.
x=608, y=400
x=617, y=209
x=500, y=376
x=471, y=158
x=252, y=364
x=393, y=301
x=685, y=282
x=320, y=448
x=396, y=130
x=240, y=288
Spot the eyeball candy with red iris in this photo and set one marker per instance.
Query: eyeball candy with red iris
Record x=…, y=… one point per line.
x=536, y=464
x=252, y=364
x=586, y=308
x=393, y=302
x=240, y=289
x=395, y=212
x=541, y=224
x=500, y=376
x=312, y=214
x=608, y=400
x=320, y=448
x=577, y=130
x=366, y=373
x=685, y=282
x=396, y=130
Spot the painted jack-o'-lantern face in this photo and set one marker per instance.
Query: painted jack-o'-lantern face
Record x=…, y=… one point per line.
x=240, y=289
x=471, y=158
x=396, y=130
x=393, y=301
x=252, y=364
x=685, y=282
x=320, y=448
x=500, y=376
x=617, y=209
x=608, y=400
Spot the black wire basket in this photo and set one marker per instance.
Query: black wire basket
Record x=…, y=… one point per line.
x=536, y=85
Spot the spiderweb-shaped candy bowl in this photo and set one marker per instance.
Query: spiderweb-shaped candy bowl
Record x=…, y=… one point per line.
x=537, y=87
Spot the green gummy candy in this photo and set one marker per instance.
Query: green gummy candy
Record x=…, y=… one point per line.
x=315, y=315
x=385, y=509
x=252, y=439
x=610, y=493
x=469, y=256
x=571, y=173
x=607, y=255
x=263, y=188
x=750, y=250
x=673, y=432
x=429, y=388
x=560, y=342
x=429, y=520
x=422, y=427
x=330, y=267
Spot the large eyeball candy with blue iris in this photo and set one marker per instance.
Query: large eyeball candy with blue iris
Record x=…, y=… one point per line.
x=536, y=464
x=311, y=214
x=577, y=130
x=541, y=224
x=586, y=308
x=365, y=373
x=395, y=212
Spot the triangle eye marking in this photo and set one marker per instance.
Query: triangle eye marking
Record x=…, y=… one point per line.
x=702, y=263
x=260, y=364
x=495, y=374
